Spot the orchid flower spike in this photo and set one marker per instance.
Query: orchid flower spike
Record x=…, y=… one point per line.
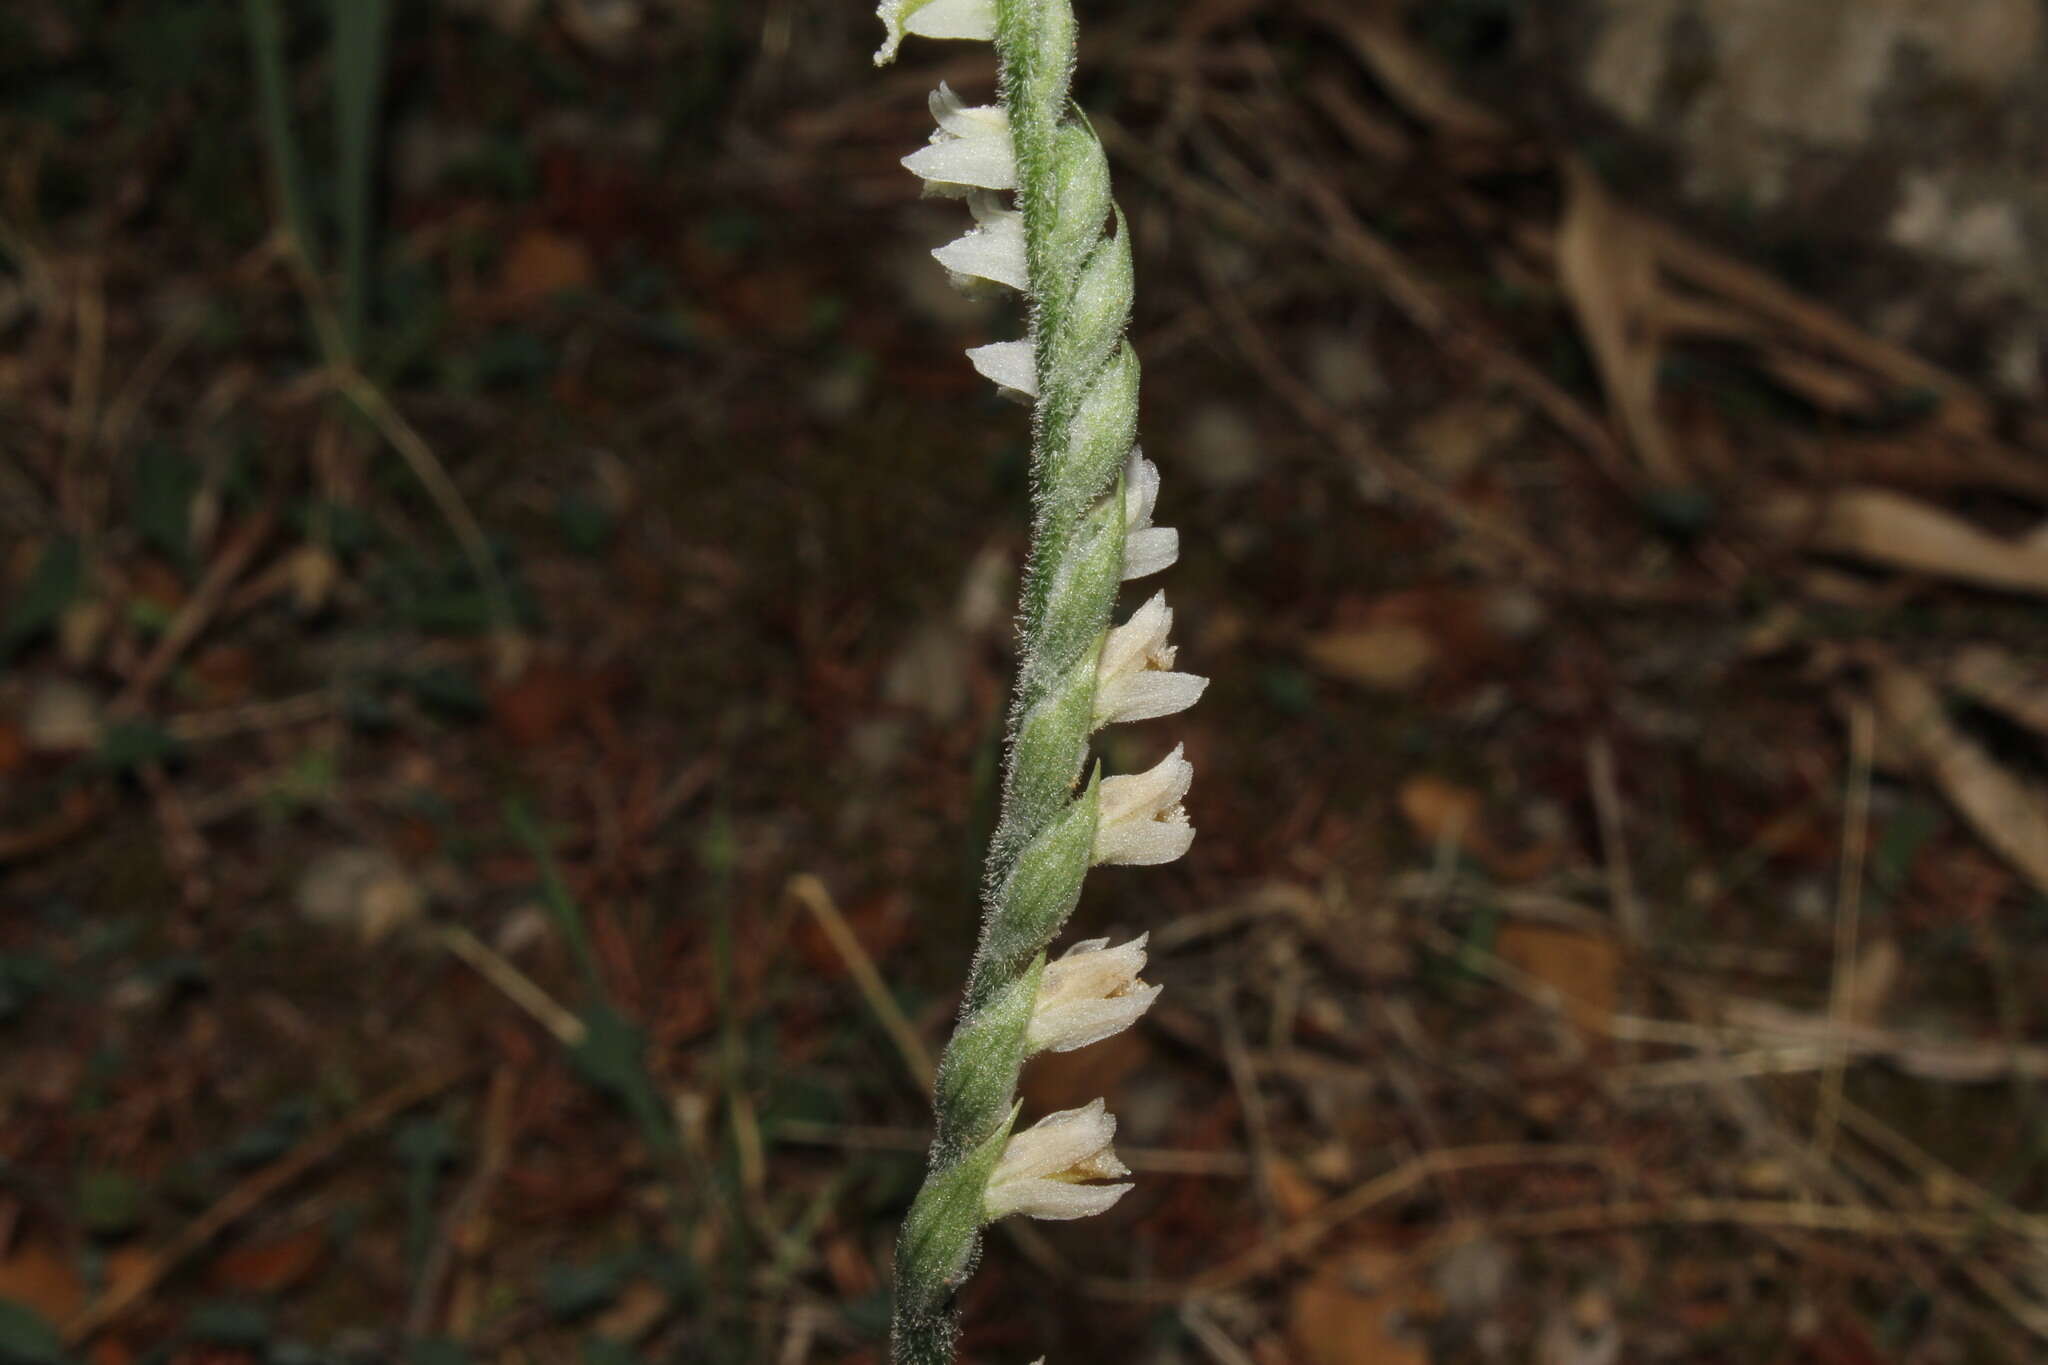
x=1140, y=820
x=1042, y=1168
x=1088, y=993
x=1132, y=681
x=1036, y=179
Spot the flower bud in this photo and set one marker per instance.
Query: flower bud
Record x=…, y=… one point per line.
x=1147, y=548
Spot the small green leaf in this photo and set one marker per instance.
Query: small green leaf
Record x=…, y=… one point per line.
x=1080, y=177
x=1042, y=887
x=979, y=1071
x=1100, y=433
x=1052, y=744
x=943, y=1229
x=1100, y=309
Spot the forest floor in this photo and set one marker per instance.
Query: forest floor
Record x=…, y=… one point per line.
x=477, y=787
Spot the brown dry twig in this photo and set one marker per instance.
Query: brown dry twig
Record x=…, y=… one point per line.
x=1258, y=349
x=1305, y=1233
x=2007, y=813
x=198, y=610
x=917, y=1059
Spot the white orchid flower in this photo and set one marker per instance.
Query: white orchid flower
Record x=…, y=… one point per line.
x=1011, y=365
x=970, y=150
x=1140, y=820
x=1087, y=994
x=993, y=251
x=1041, y=1169
x=1132, y=680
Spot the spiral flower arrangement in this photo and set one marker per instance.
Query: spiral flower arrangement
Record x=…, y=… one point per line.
x=1062, y=244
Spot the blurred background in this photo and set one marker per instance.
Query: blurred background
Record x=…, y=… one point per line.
x=505, y=597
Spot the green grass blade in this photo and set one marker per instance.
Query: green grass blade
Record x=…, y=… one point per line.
x=273, y=107
x=361, y=29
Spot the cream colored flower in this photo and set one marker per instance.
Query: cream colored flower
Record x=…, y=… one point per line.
x=992, y=251
x=1132, y=680
x=1088, y=993
x=1147, y=548
x=970, y=150
x=1041, y=1169
x=974, y=19
x=1011, y=365
x=1140, y=820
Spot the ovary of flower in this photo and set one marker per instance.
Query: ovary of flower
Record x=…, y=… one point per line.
x=1132, y=681
x=1041, y=1169
x=1147, y=548
x=971, y=149
x=1140, y=820
x=1010, y=364
x=934, y=19
x=1087, y=994
x=993, y=251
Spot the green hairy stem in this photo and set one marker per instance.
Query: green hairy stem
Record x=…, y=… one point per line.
x=1084, y=424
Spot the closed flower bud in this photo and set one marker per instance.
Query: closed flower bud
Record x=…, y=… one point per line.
x=1147, y=548
x=1133, y=681
x=1089, y=993
x=1139, y=818
x=1041, y=1171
